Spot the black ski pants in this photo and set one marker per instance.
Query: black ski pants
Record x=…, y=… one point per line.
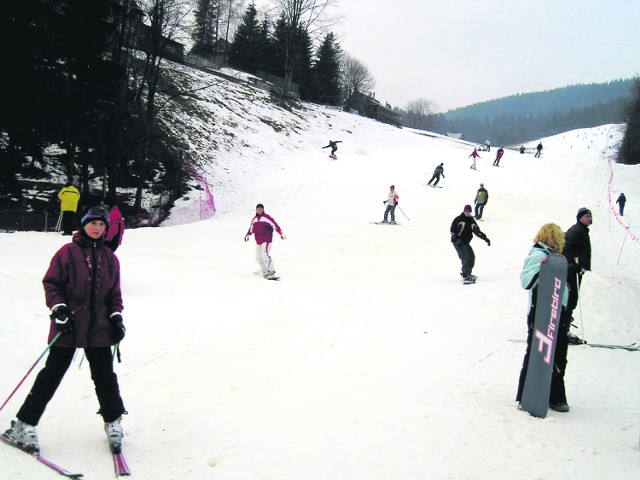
x=436, y=178
x=466, y=255
x=68, y=221
x=50, y=377
x=557, y=394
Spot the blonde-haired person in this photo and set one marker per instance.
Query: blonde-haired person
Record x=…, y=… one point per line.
x=548, y=240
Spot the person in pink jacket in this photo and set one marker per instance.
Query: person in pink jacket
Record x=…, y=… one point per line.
x=113, y=237
x=262, y=226
x=474, y=156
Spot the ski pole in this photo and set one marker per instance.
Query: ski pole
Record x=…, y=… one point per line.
x=31, y=369
x=584, y=337
x=623, y=240
x=405, y=215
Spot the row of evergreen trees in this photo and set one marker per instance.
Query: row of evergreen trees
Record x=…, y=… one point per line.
x=286, y=50
x=630, y=148
x=515, y=129
x=529, y=116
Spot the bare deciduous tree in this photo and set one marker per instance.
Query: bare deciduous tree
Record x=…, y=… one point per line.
x=420, y=114
x=355, y=76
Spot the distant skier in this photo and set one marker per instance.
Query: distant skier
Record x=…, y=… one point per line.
x=538, y=150
x=482, y=197
x=621, y=201
x=521, y=149
x=487, y=143
x=462, y=230
x=474, y=155
x=263, y=225
x=391, y=202
x=499, y=153
x=436, y=175
x=334, y=147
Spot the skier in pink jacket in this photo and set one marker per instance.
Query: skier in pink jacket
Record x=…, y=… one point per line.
x=262, y=226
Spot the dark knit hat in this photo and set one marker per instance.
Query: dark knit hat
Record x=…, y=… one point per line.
x=467, y=208
x=260, y=206
x=582, y=212
x=95, y=213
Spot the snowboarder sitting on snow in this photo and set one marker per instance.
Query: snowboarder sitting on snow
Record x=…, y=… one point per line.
x=462, y=230
x=263, y=225
x=436, y=174
x=391, y=202
x=548, y=240
x=82, y=289
x=334, y=147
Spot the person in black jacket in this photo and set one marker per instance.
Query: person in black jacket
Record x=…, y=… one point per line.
x=538, y=150
x=621, y=201
x=462, y=230
x=577, y=250
x=334, y=147
x=436, y=174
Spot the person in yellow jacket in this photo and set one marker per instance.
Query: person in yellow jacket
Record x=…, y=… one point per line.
x=69, y=197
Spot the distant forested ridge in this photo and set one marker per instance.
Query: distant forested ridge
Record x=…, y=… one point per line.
x=529, y=116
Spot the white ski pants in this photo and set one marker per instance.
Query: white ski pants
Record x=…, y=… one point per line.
x=263, y=257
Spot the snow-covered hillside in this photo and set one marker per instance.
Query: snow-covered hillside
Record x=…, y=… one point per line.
x=370, y=359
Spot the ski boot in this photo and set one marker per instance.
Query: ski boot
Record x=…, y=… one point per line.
x=23, y=435
x=114, y=434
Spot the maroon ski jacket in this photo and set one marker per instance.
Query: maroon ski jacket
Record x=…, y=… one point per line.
x=85, y=276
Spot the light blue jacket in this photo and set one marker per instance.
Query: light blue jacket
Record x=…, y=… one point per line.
x=531, y=270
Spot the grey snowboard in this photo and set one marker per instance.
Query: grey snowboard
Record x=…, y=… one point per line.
x=551, y=284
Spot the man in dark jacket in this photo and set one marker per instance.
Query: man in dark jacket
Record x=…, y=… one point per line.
x=436, y=174
x=462, y=230
x=577, y=250
x=621, y=202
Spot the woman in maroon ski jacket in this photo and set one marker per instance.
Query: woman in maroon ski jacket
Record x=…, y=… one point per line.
x=82, y=289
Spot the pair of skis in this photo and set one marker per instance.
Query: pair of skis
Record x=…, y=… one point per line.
x=119, y=463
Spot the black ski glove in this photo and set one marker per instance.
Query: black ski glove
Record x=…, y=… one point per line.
x=486, y=239
x=62, y=317
x=117, y=327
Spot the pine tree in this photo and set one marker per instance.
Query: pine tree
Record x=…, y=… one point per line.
x=205, y=26
x=630, y=148
x=326, y=72
x=246, y=48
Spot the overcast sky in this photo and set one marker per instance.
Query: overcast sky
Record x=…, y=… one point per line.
x=459, y=52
